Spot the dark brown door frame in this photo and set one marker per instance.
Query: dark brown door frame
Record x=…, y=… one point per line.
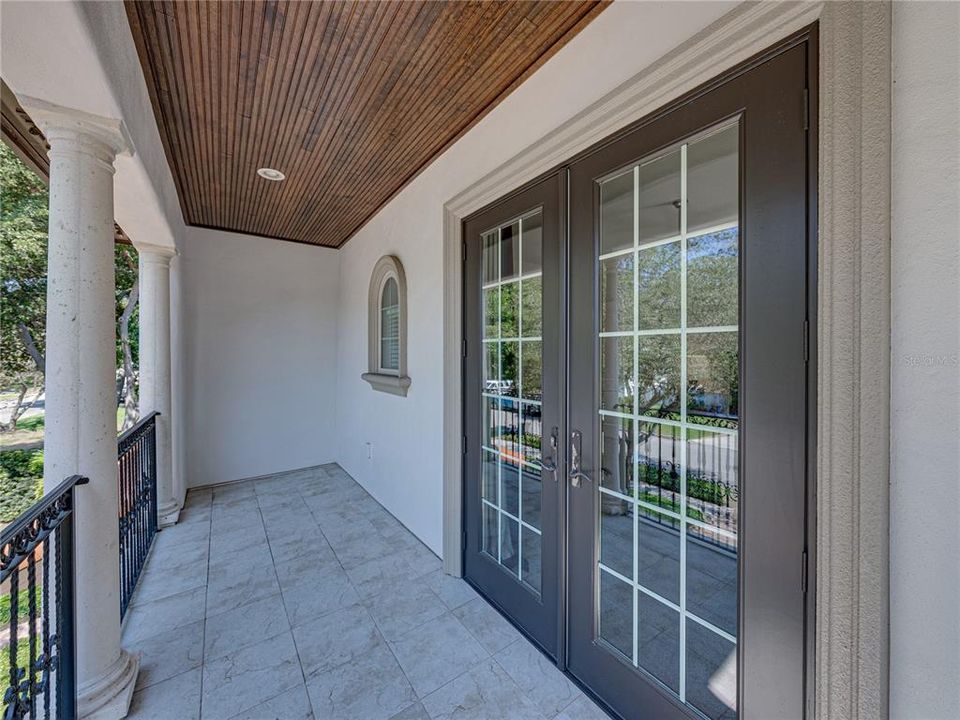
x=809, y=38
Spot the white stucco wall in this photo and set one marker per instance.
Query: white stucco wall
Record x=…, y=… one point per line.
x=405, y=473
x=260, y=332
x=925, y=367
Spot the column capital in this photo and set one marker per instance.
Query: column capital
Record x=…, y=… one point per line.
x=63, y=123
x=155, y=253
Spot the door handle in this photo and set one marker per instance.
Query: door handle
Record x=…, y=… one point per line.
x=549, y=464
x=576, y=474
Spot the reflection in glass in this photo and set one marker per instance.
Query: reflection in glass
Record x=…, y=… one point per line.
x=510, y=488
x=616, y=213
x=658, y=554
x=532, y=432
x=616, y=374
x=532, y=370
x=531, y=499
x=658, y=465
x=532, y=299
x=491, y=367
x=712, y=578
x=491, y=268
x=711, y=673
x=713, y=493
x=509, y=543
x=616, y=458
x=510, y=310
x=658, y=375
x=712, y=376
x=658, y=640
x=660, y=198
x=489, y=533
x=512, y=420
x=510, y=251
x=668, y=302
x=509, y=366
x=531, y=569
x=491, y=313
x=491, y=422
x=713, y=192
x=489, y=485
x=532, y=243
x=658, y=287
x=616, y=293
x=712, y=271
x=616, y=613
x=616, y=542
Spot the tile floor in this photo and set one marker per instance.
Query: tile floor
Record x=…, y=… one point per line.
x=298, y=596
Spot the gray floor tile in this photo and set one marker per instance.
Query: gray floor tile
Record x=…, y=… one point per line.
x=372, y=687
x=178, y=697
x=169, y=653
x=414, y=712
x=149, y=618
x=538, y=677
x=487, y=625
x=236, y=629
x=485, y=692
x=292, y=704
x=235, y=683
x=399, y=611
x=238, y=581
x=583, y=708
x=436, y=652
x=307, y=601
x=454, y=592
x=336, y=639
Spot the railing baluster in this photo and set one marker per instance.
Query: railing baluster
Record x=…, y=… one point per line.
x=137, y=478
x=41, y=653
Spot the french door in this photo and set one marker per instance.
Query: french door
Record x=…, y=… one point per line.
x=512, y=407
x=669, y=546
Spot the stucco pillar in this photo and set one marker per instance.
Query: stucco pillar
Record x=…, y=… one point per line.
x=155, y=394
x=81, y=403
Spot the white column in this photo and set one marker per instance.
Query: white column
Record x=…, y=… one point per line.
x=155, y=393
x=81, y=407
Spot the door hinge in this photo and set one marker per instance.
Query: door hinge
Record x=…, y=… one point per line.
x=463, y=252
x=806, y=341
x=803, y=572
x=806, y=108
x=463, y=444
x=463, y=347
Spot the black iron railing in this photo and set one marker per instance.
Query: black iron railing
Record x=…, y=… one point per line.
x=137, y=470
x=37, y=581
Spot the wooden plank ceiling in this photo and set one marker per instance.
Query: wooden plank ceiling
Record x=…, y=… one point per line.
x=349, y=99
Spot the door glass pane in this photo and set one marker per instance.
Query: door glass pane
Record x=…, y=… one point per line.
x=669, y=370
x=513, y=390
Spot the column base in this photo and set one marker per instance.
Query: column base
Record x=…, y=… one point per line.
x=108, y=697
x=168, y=513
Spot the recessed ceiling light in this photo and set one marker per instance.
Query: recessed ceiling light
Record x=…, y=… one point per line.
x=271, y=174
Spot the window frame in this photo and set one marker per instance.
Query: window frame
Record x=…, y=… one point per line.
x=390, y=380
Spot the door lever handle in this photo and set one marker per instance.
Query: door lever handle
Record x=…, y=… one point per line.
x=548, y=464
x=576, y=474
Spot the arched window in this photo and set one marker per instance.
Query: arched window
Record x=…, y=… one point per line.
x=387, y=328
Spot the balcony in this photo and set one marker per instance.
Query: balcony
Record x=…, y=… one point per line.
x=298, y=596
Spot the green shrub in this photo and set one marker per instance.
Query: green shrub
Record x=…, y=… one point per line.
x=21, y=481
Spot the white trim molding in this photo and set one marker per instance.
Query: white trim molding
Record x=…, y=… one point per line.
x=395, y=383
x=851, y=647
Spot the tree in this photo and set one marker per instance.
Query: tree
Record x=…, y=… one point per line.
x=23, y=290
